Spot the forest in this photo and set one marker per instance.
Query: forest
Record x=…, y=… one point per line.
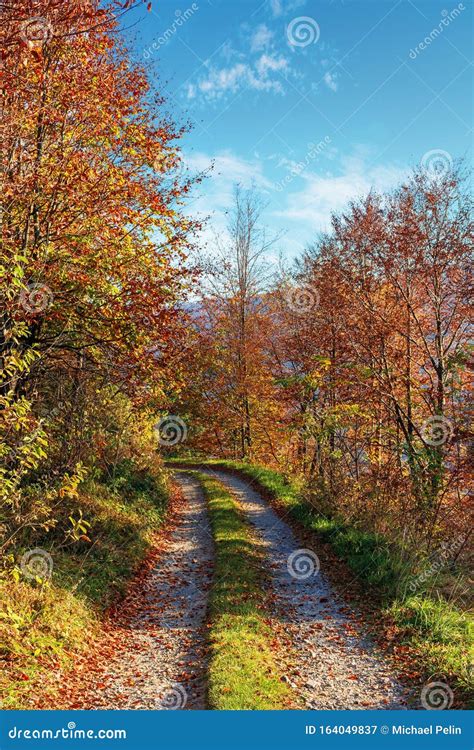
x=337, y=384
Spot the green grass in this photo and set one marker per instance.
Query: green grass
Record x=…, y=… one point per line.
x=125, y=512
x=243, y=673
x=45, y=625
x=369, y=555
x=441, y=633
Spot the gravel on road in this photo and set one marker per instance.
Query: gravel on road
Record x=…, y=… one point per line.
x=334, y=664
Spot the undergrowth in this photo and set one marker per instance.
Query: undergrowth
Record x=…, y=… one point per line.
x=45, y=622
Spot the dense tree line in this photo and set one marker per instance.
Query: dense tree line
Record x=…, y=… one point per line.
x=354, y=371
x=350, y=372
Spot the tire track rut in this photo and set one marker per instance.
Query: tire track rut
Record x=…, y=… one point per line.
x=155, y=655
x=334, y=664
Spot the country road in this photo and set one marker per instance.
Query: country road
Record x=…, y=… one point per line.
x=160, y=656
x=334, y=664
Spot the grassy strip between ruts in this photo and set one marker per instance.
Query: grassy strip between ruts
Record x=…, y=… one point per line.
x=45, y=625
x=441, y=634
x=243, y=673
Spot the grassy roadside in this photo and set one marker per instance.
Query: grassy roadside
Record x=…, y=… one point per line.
x=45, y=624
x=440, y=634
x=242, y=673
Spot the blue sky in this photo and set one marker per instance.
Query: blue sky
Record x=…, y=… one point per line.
x=317, y=102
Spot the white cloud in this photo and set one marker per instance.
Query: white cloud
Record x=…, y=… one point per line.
x=256, y=63
x=219, y=81
x=299, y=213
x=267, y=63
x=261, y=38
x=313, y=205
x=229, y=80
x=228, y=169
x=279, y=7
x=215, y=195
x=330, y=79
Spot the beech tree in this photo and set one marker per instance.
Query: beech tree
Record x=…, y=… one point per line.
x=368, y=350
x=94, y=240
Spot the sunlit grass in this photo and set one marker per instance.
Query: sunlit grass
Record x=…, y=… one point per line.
x=243, y=673
x=45, y=625
x=440, y=632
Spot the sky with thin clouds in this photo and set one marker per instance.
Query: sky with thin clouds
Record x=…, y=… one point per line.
x=315, y=102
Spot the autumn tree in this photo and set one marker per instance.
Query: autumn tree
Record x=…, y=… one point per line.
x=233, y=319
x=389, y=342
x=93, y=240
x=356, y=363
